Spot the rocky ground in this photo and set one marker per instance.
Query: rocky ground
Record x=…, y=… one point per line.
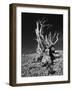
x=30, y=67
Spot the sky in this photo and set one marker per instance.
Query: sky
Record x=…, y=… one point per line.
x=28, y=27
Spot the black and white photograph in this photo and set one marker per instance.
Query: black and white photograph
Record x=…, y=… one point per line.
x=42, y=45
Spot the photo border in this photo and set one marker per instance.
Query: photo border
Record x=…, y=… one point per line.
x=12, y=75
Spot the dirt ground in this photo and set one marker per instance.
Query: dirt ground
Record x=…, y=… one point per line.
x=32, y=68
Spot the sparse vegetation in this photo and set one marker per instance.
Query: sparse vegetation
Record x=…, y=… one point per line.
x=31, y=68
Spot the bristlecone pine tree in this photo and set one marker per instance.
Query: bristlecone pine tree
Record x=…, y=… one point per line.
x=44, y=42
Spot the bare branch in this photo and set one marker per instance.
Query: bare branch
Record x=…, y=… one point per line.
x=39, y=38
x=46, y=40
x=49, y=36
x=43, y=20
x=54, y=36
x=56, y=39
x=41, y=28
x=49, y=39
x=37, y=29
